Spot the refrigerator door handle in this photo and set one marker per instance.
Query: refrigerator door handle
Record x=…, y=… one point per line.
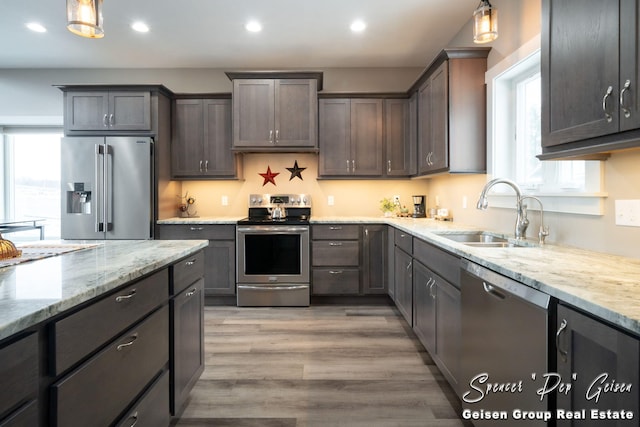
x=108, y=188
x=99, y=225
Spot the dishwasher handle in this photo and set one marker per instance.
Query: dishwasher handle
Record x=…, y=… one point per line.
x=491, y=290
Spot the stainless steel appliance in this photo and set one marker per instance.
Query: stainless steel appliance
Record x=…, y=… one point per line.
x=504, y=341
x=107, y=188
x=419, y=206
x=272, y=251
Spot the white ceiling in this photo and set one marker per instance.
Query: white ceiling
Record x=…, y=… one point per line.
x=211, y=34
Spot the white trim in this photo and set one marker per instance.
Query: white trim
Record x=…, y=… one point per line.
x=9, y=121
x=578, y=204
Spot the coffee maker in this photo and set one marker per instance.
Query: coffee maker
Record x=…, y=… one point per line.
x=419, y=206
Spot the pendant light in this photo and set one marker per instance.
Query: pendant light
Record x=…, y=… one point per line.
x=84, y=18
x=485, y=23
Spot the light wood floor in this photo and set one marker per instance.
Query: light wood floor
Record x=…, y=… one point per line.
x=325, y=365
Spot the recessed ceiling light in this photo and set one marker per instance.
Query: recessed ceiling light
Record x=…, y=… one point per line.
x=358, y=26
x=253, y=26
x=38, y=28
x=140, y=27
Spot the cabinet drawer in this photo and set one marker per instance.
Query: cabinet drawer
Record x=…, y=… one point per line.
x=197, y=231
x=25, y=416
x=335, y=231
x=336, y=281
x=96, y=393
x=152, y=410
x=79, y=334
x=187, y=271
x=441, y=262
x=404, y=241
x=19, y=372
x=335, y=252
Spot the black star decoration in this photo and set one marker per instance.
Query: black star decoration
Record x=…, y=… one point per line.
x=296, y=171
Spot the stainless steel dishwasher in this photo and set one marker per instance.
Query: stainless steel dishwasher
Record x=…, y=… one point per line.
x=504, y=342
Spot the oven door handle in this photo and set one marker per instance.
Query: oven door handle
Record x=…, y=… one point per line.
x=272, y=287
x=270, y=229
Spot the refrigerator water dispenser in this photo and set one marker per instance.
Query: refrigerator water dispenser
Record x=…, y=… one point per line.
x=79, y=198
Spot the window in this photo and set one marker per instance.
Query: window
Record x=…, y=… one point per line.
x=515, y=92
x=31, y=179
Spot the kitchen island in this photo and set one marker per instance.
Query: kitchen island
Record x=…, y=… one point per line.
x=86, y=337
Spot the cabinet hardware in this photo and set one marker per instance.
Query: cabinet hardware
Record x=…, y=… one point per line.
x=607, y=114
x=111, y=120
x=200, y=168
x=335, y=228
x=277, y=135
x=335, y=244
x=132, y=339
x=625, y=110
x=134, y=418
x=366, y=232
x=104, y=121
x=353, y=166
x=196, y=228
x=335, y=271
x=491, y=290
x=561, y=329
x=121, y=298
x=191, y=262
x=191, y=293
x=409, y=265
x=206, y=165
x=348, y=170
x=389, y=166
x=433, y=296
x=271, y=136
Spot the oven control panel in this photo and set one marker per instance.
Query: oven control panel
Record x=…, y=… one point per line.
x=279, y=200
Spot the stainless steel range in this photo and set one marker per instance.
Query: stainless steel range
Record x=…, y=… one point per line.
x=273, y=251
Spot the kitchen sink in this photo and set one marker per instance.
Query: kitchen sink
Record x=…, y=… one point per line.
x=483, y=239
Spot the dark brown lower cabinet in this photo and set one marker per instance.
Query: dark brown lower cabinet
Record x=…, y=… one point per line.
x=19, y=373
x=151, y=409
x=404, y=284
x=602, y=365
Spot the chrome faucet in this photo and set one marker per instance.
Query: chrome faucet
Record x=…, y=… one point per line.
x=521, y=210
x=543, y=231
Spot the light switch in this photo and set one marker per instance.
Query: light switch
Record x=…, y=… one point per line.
x=330, y=200
x=628, y=213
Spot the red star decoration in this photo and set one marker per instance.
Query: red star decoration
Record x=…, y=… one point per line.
x=269, y=176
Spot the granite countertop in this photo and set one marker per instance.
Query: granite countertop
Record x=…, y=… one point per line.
x=201, y=220
x=35, y=291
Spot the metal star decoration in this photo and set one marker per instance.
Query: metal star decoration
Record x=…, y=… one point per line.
x=296, y=171
x=269, y=176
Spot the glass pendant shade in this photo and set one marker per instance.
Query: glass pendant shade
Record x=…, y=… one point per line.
x=485, y=23
x=84, y=18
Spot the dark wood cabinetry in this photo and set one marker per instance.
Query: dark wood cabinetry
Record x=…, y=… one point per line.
x=201, y=142
x=400, y=137
x=220, y=265
x=590, y=74
x=596, y=354
x=19, y=370
x=403, y=266
x=452, y=113
x=275, y=114
x=351, y=137
x=187, y=329
x=374, y=260
x=335, y=258
x=107, y=110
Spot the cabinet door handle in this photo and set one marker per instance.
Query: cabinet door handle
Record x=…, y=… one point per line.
x=348, y=170
x=561, y=329
x=196, y=228
x=277, y=135
x=111, y=120
x=129, y=343
x=134, y=418
x=104, y=121
x=607, y=114
x=191, y=293
x=409, y=265
x=366, y=232
x=433, y=296
x=625, y=110
x=271, y=136
x=389, y=166
x=130, y=295
x=353, y=166
x=206, y=165
x=335, y=244
x=200, y=167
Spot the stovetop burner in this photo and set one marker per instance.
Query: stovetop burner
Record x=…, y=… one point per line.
x=292, y=209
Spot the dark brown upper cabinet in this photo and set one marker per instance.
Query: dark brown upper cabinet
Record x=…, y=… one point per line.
x=201, y=142
x=107, y=111
x=400, y=136
x=590, y=75
x=452, y=113
x=275, y=114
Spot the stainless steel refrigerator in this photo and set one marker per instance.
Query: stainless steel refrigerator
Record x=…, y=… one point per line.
x=107, y=188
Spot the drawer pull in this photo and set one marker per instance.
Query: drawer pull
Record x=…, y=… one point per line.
x=121, y=298
x=335, y=271
x=132, y=339
x=196, y=228
x=191, y=262
x=191, y=293
x=335, y=228
x=335, y=244
x=134, y=418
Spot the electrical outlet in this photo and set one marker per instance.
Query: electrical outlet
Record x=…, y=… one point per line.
x=464, y=202
x=628, y=212
x=396, y=200
x=330, y=201
x=225, y=201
